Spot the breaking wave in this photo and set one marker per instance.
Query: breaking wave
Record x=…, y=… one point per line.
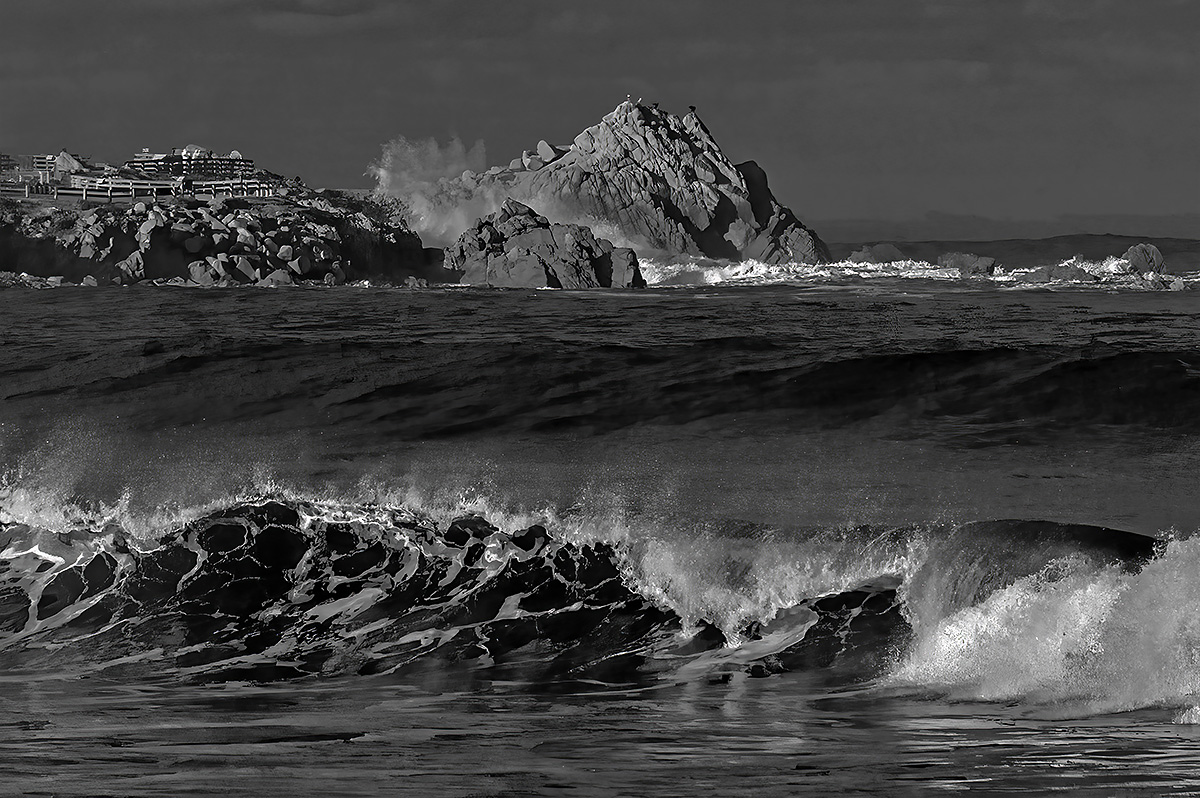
x=1109, y=273
x=281, y=586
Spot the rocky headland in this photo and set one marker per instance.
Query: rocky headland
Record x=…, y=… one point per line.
x=308, y=236
x=654, y=180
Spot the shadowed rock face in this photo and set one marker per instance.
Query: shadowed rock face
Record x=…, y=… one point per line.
x=663, y=181
x=516, y=247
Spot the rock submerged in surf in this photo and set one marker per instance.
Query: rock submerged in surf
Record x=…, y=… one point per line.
x=1144, y=258
x=1066, y=271
x=968, y=265
x=518, y=248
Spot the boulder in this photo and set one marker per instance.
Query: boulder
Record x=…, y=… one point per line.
x=547, y=151
x=663, y=182
x=517, y=247
x=275, y=278
x=243, y=269
x=968, y=265
x=132, y=268
x=878, y=253
x=301, y=265
x=201, y=273
x=1144, y=258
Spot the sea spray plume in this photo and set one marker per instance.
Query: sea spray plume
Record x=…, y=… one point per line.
x=418, y=172
x=408, y=165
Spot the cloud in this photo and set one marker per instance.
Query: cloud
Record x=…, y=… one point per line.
x=330, y=17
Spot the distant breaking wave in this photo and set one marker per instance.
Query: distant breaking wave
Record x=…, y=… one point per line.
x=1110, y=273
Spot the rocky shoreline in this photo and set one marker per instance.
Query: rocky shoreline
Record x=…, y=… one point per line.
x=321, y=237
x=642, y=175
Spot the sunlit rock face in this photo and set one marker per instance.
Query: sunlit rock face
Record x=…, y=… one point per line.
x=658, y=181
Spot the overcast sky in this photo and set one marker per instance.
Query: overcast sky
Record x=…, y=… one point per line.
x=876, y=109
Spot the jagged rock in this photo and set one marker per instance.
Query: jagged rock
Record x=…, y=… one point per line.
x=625, y=269
x=1144, y=258
x=201, y=273
x=132, y=268
x=663, y=182
x=968, y=265
x=878, y=253
x=548, y=152
x=245, y=268
x=277, y=277
x=517, y=247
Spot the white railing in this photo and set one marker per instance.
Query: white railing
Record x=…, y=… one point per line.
x=103, y=189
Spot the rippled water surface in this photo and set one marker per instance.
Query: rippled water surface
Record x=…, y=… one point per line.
x=794, y=485
x=756, y=737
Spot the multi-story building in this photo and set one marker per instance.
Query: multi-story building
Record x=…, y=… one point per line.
x=43, y=168
x=191, y=161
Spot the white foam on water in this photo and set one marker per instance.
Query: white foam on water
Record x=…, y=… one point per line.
x=1102, y=638
x=753, y=272
x=1110, y=273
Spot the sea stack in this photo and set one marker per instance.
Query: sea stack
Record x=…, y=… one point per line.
x=661, y=182
x=517, y=247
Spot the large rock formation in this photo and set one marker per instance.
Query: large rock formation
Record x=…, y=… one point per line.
x=311, y=236
x=517, y=247
x=662, y=181
x=968, y=264
x=1144, y=258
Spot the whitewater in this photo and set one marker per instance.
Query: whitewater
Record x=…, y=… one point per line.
x=774, y=529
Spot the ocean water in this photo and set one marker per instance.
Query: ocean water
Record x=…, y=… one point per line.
x=767, y=533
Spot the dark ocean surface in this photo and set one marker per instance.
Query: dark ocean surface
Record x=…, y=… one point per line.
x=886, y=536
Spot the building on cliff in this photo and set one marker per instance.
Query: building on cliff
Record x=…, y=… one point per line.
x=191, y=161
